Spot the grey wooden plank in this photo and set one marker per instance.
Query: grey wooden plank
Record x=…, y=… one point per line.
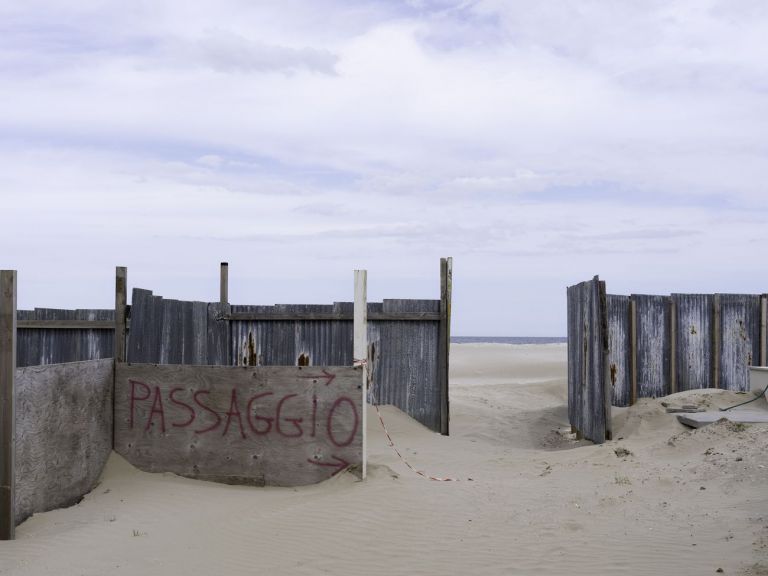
x=156, y=347
x=619, y=347
x=172, y=332
x=218, y=350
x=94, y=344
x=283, y=426
x=739, y=339
x=196, y=350
x=64, y=433
x=277, y=316
x=444, y=341
x=28, y=341
x=653, y=345
x=120, y=314
x=67, y=324
x=139, y=339
x=8, y=403
x=693, y=345
x=588, y=398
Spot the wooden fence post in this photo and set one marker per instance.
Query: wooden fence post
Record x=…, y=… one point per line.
x=444, y=340
x=716, y=342
x=672, y=346
x=224, y=284
x=7, y=404
x=360, y=351
x=763, y=328
x=633, y=349
x=121, y=301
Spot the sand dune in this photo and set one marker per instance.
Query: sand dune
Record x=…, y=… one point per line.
x=530, y=499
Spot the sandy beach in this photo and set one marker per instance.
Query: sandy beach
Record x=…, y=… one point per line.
x=527, y=498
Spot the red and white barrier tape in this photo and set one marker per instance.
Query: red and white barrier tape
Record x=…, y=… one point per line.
x=392, y=443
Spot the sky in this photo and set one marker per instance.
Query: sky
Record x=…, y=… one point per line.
x=536, y=143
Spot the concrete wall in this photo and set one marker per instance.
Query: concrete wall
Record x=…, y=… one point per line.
x=63, y=433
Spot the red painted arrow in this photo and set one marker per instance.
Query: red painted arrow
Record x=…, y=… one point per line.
x=327, y=376
x=340, y=464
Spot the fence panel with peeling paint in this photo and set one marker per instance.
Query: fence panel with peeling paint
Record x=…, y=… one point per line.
x=660, y=345
x=739, y=316
x=42, y=346
x=403, y=342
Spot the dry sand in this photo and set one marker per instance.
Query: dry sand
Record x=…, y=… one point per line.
x=661, y=499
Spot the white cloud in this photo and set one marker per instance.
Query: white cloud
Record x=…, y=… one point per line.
x=547, y=141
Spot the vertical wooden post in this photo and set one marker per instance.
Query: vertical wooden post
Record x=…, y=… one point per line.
x=224, y=284
x=672, y=346
x=360, y=351
x=716, y=335
x=607, y=390
x=763, y=330
x=444, y=341
x=121, y=302
x=633, y=349
x=7, y=403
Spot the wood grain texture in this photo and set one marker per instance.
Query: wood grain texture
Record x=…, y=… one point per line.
x=64, y=433
x=121, y=304
x=281, y=426
x=694, y=317
x=653, y=348
x=444, y=341
x=739, y=339
x=165, y=331
x=619, y=347
x=8, y=404
x=588, y=408
x=54, y=336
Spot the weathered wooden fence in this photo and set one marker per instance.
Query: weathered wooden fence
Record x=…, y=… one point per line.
x=403, y=336
x=65, y=399
x=660, y=345
x=408, y=339
x=589, y=396
x=54, y=336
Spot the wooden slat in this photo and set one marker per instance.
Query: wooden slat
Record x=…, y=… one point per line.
x=66, y=324
x=224, y=283
x=763, y=330
x=692, y=362
x=444, y=341
x=633, y=349
x=588, y=399
x=619, y=362
x=739, y=339
x=652, y=329
x=7, y=403
x=716, y=347
x=121, y=302
x=326, y=316
x=218, y=350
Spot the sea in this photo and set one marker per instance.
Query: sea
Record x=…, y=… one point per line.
x=509, y=339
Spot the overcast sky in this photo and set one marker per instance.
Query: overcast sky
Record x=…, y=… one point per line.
x=538, y=143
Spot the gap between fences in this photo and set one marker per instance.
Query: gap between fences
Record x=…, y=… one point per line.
x=392, y=443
